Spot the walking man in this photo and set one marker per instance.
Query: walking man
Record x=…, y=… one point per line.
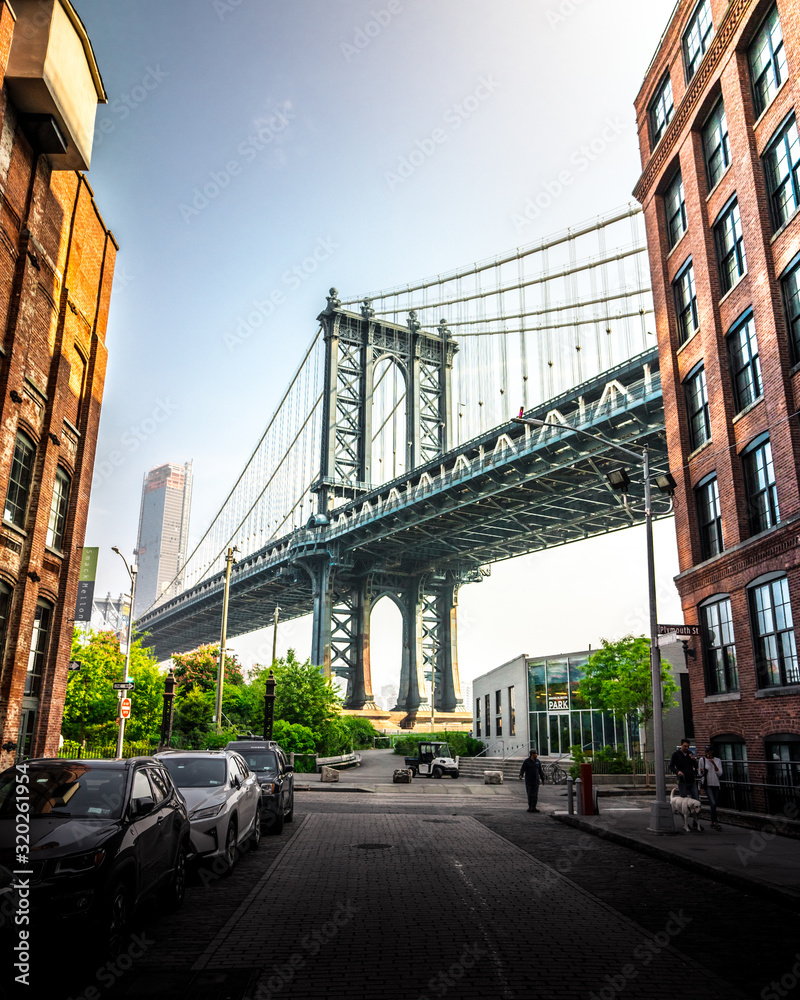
x=683, y=765
x=533, y=774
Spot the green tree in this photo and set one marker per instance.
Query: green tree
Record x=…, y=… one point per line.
x=90, y=706
x=617, y=679
x=302, y=694
x=198, y=668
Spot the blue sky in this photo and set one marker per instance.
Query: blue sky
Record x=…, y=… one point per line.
x=241, y=135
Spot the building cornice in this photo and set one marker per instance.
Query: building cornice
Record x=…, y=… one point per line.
x=694, y=92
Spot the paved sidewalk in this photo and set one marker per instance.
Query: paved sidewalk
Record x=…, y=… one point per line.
x=417, y=906
x=759, y=861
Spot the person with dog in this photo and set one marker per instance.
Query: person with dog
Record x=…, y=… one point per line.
x=683, y=765
x=710, y=770
x=533, y=774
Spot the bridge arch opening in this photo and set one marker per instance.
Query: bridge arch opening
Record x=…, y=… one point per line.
x=387, y=636
x=389, y=421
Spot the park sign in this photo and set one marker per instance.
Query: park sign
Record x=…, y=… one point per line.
x=679, y=629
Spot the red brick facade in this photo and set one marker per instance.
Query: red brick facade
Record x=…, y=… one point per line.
x=56, y=268
x=755, y=712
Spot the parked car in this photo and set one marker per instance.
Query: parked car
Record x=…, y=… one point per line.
x=104, y=835
x=222, y=798
x=276, y=778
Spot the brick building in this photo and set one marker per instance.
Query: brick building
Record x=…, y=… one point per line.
x=56, y=267
x=717, y=118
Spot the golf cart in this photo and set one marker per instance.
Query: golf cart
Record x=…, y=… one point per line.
x=433, y=760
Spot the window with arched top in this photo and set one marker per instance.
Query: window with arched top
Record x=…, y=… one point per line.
x=59, y=506
x=19, y=480
x=773, y=632
x=719, y=646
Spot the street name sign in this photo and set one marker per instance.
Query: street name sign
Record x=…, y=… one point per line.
x=679, y=629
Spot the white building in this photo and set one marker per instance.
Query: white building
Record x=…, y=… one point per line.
x=533, y=703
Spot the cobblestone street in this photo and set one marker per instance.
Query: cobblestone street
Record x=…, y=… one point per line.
x=368, y=895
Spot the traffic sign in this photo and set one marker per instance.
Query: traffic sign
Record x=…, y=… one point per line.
x=74, y=664
x=124, y=685
x=679, y=629
x=125, y=708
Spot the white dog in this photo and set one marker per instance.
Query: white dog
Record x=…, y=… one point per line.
x=684, y=805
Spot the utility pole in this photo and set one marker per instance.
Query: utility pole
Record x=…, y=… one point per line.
x=229, y=561
x=132, y=570
x=275, y=635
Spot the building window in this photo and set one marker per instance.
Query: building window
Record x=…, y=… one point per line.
x=719, y=649
x=767, y=61
x=773, y=629
x=759, y=478
x=675, y=206
x=498, y=709
x=39, y=645
x=58, y=510
x=730, y=246
x=5, y=613
x=790, y=283
x=697, y=407
x=488, y=707
x=735, y=790
x=782, y=168
x=27, y=729
x=716, y=147
x=697, y=37
x=512, y=713
x=478, y=718
x=661, y=109
x=709, y=517
x=19, y=483
x=686, y=303
x=745, y=363
x=782, y=752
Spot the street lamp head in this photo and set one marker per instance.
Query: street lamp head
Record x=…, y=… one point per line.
x=618, y=480
x=531, y=421
x=115, y=549
x=665, y=483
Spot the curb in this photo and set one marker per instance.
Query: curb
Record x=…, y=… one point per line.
x=756, y=886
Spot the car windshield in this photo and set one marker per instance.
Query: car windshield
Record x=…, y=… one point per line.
x=261, y=761
x=71, y=791
x=443, y=750
x=198, y=772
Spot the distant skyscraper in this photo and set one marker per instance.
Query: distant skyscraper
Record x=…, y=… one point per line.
x=163, y=534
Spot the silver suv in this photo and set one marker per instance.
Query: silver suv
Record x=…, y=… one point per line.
x=222, y=798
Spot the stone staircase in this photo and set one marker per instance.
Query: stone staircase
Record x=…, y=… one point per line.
x=473, y=767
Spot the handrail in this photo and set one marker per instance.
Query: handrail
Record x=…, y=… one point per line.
x=485, y=749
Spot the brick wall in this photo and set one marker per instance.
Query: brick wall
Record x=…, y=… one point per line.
x=724, y=72
x=56, y=268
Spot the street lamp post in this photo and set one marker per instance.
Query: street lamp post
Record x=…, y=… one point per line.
x=229, y=561
x=131, y=570
x=660, y=812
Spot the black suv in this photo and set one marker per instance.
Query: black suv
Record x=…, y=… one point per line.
x=275, y=776
x=104, y=834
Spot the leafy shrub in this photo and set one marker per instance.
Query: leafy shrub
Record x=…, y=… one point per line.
x=295, y=738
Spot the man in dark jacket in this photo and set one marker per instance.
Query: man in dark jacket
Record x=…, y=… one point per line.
x=683, y=765
x=533, y=774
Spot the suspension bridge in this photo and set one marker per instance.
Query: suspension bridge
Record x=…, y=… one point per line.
x=392, y=466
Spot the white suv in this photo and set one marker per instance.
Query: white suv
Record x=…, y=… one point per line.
x=222, y=798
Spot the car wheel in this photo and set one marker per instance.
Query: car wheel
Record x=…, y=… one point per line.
x=230, y=849
x=276, y=821
x=454, y=774
x=117, y=919
x=290, y=815
x=176, y=889
x=437, y=772
x=255, y=836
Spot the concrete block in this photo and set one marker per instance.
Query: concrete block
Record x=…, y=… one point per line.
x=402, y=776
x=493, y=777
x=329, y=774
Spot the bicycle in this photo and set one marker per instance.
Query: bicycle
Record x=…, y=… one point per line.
x=554, y=774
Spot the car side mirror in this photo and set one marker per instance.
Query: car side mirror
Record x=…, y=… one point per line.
x=142, y=806
x=288, y=768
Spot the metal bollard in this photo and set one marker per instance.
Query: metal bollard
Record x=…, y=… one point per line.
x=570, y=796
x=579, y=794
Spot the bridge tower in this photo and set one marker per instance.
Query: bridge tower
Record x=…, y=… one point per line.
x=347, y=585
